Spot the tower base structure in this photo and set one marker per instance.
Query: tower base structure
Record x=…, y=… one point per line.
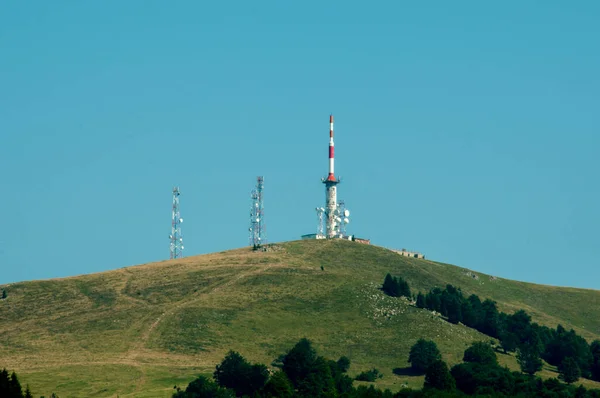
x=331, y=219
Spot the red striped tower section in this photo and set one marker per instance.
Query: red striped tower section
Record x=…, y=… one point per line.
x=331, y=189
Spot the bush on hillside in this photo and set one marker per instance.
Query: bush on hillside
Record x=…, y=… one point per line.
x=480, y=352
x=369, y=375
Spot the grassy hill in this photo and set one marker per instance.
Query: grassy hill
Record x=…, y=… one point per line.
x=140, y=330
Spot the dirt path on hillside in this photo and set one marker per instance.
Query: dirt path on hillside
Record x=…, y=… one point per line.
x=133, y=354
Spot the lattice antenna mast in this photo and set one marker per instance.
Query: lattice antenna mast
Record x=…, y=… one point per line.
x=176, y=236
x=321, y=222
x=342, y=218
x=257, y=212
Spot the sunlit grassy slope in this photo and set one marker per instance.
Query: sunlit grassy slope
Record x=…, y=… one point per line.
x=138, y=331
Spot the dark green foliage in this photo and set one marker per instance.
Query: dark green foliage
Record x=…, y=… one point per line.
x=453, y=309
x=369, y=375
x=469, y=317
x=343, y=364
x=423, y=354
x=569, y=370
x=298, y=362
x=235, y=373
x=480, y=352
x=421, y=300
x=396, y=287
x=490, y=322
x=202, y=387
x=318, y=382
x=595, y=349
x=4, y=295
x=27, y=393
x=529, y=360
x=438, y=376
x=569, y=344
x=518, y=324
x=278, y=386
x=508, y=342
x=370, y=392
x=472, y=377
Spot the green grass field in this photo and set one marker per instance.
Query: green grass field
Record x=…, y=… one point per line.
x=138, y=331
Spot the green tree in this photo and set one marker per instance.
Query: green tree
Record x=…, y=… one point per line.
x=3, y=294
x=14, y=387
x=369, y=375
x=318, y=382
x=403, y=288
x=299, y=361
x=569, y=371
x=423, y=354
x=278, y=386
x=202, y=387
x=438, y=376
x=529, y=360
x=453, y=309
x=508, y=342
x=28, y=392
x=390, y=286
x=480, y=352
x=343, y=364
x=490, y=320
x=595, y=349
x=236, y=373
x=421, y=300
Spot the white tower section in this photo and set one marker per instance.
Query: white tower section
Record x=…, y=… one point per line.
x=331, y=223
x=176, y=237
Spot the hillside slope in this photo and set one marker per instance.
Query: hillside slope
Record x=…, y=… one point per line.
x=138, y=331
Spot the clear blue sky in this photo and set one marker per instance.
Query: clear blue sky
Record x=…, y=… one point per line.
x=467, y=130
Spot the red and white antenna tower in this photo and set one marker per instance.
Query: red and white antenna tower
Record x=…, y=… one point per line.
x=257, y=213
x=176, y=236
x=331, y=205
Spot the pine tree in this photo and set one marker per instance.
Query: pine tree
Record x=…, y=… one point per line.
x=4, y=294
x=28, y=392
x=14, y=386
x=529, y=360
x=569, y=371
x=438, y=376
x=390, y=286
x=421, y=300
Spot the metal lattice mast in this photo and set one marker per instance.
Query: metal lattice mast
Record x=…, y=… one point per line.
x=257, y=213
x=176, y=236
x=342, y=218
x=321, y=222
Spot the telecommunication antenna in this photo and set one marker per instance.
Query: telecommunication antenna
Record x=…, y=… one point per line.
x=342, y=218
x=321, y=222
x=176, y=236
x=257, y=213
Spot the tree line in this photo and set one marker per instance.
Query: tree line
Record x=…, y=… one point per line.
x=566, y=350
x=301, y=373
x=481, y=375
x=10, y=386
